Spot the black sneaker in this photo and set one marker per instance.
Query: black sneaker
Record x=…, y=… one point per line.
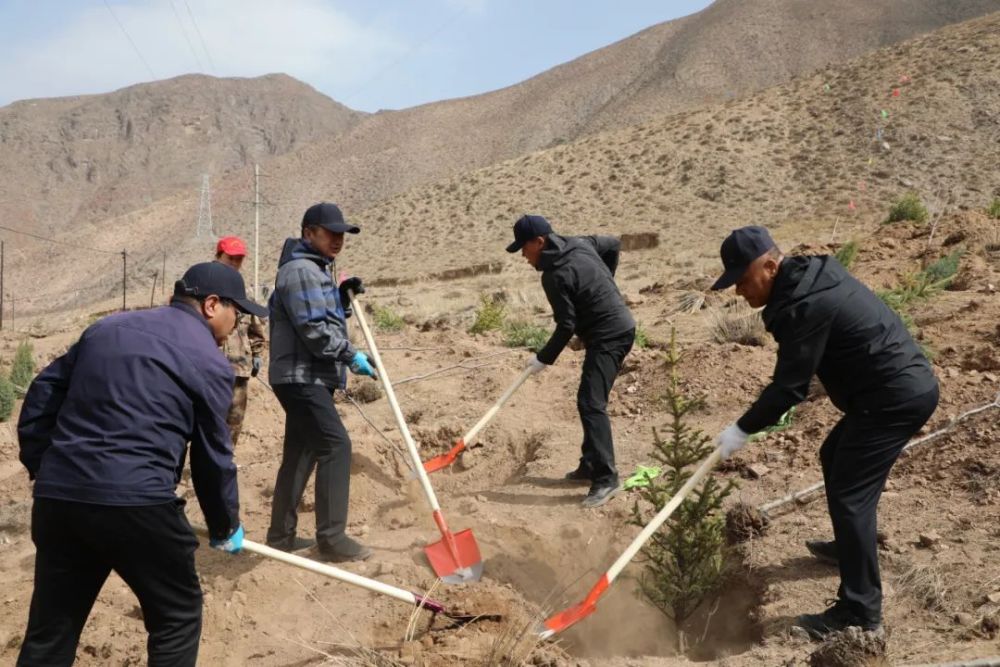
x=599, y=495
x=835, y=619
x=823, y=551
x=345, y=550
x=579, y=476
x=293, y=545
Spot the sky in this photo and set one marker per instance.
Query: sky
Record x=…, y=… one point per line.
x=367, y=54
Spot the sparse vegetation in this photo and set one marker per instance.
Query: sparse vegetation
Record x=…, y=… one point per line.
x=847, y=253
x=22, y=371
x=993, y=210
x=388, y=321
x=739, y=323
x=525, y=334
x=685, y=562
x=923, y=284
x=907, y=207
x=489, y=315
x=7, y=398
x=641, y=338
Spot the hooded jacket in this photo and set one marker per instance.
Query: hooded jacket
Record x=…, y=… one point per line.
x=828, y=324
x=578, y=279
x=309, y=343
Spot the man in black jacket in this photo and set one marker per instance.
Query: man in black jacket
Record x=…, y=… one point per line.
x=103, y=433
x=578, y=279
x=826, y=323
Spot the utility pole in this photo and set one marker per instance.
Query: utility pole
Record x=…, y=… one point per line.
x=256, y=233
x=124, y=276
x=152, y=292
x=163, y=279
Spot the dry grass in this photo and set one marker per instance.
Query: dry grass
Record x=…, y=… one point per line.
x=689, y=302
x=737, y=323
x=924, y=584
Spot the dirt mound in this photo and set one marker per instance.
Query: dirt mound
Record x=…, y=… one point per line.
x=851, y=648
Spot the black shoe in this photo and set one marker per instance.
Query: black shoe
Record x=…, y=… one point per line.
x=835, y=619
x=601, y=494
x=345, y=550
x=579, y=476
x=824, y=552
x=293, y=545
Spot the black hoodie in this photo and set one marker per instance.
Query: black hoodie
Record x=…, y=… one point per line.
x=578, y=275
x=828, y=324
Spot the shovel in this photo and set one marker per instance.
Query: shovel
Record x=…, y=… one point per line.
x=455, y=558
x=445, y=460
x=572, y=615
x=373, y=585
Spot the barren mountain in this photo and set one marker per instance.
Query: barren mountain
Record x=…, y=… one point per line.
x=87, y=158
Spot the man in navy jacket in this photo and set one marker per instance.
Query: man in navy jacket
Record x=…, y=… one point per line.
x=103, y=433
x=828, y=324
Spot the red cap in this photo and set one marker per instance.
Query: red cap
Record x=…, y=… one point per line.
x=232, y=246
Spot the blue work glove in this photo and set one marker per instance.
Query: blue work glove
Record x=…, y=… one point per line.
x=231, y=544
x=361, y=364
x=257, y=363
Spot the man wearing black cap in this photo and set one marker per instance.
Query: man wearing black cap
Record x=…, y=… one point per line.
x=828, y=324
x=310, y=356
x=578, y=279
x=103, y=433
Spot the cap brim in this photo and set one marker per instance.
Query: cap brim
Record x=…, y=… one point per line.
x=515, y=246
x=250, y=308
x=729, y=278
x=341, y=228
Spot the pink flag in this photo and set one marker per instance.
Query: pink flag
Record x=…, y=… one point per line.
x=895, y=92
x=851, y=206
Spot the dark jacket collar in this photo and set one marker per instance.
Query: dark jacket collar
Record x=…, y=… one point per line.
x=185, y=308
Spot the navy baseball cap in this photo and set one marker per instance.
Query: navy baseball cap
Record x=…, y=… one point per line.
x=526, y=228
x=223, y=281
x=327, y=216
x=738, y=252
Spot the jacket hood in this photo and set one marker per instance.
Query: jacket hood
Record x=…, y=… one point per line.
x=297, y=248
x=801, y=277
x=557, y=252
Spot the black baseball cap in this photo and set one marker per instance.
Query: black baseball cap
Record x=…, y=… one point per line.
x=327, y=216
x=739, y=250
x=223, y=281
x=526, y=228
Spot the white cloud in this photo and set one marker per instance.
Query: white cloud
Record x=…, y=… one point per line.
x=304, y=38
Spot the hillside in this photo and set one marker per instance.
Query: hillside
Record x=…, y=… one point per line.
x=74, y=160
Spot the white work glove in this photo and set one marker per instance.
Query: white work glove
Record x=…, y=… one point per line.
x=731, y=441
x=535, y=366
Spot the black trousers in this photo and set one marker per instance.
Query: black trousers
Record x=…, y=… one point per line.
x=856, y=457
x=601, y=365
x=78, y=545
x=315, y=438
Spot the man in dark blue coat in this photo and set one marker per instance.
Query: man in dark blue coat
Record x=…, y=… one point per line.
x=828, y=324
x=578, y=276
x=103, y=433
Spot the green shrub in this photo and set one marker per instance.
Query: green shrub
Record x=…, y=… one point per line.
x=489, y=315
x=22, y=372
x=387, y=321
x=943, y=270
x=525, y=334
x=7, y=397
x=641, y=338
x=908, y=207
x=847, y=253
x=994, y=208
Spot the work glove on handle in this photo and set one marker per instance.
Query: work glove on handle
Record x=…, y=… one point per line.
x=361, y=364
x=231, y=544
x=535, y=366
x=353, y=285
x=257, y=363
x=731, y=441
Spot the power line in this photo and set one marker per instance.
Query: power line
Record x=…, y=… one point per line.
x=201, y=68
x=201, y=37
x=129, y=38
x=76, y=246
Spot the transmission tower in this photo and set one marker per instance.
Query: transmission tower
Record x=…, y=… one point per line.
x=205, y=210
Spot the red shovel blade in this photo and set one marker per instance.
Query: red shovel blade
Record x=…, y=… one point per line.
x=573, y=615
x=457, y=565
x=445, y=460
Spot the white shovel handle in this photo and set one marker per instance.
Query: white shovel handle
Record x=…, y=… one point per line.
x=474, y=431
x=383, y=377
x=663, y=515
